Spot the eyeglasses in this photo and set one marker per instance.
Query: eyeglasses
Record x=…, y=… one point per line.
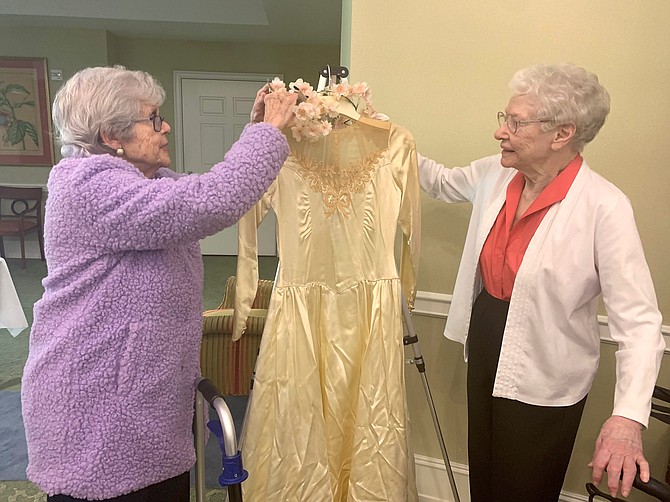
x=156, y=119
x=513, y=123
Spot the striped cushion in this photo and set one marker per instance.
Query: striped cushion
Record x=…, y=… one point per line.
x=220, y=321
x=263, y=294
x=230, y=365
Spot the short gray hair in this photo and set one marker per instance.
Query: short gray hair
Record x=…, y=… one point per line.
x=101, y=99
x=566, y=94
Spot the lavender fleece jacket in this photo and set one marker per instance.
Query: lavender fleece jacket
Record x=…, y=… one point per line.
x=108, y=388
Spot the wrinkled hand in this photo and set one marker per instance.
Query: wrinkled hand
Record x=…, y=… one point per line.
x=275, y=108
x=258, y=110
x=279, y=108
x=619, y=448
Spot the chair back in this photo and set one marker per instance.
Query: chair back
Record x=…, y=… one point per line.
x=230, y=365
x=21, y=203
x=261, y=301
x=21, y=214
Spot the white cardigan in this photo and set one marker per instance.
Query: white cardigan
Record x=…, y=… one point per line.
x=587, y=244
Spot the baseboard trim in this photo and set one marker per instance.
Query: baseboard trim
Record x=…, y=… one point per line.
x=433, y=482
x=431, y=304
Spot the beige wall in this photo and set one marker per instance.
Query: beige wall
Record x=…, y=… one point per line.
x=71, y=50
x=441, y=69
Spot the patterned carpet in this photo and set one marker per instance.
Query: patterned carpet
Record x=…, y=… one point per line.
x=25, y=491
x=20, y=491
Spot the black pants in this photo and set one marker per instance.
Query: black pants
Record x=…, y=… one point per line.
x=175, y=489
x=517, y=452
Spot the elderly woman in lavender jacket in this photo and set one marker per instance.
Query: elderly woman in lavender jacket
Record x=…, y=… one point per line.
x=109, y=384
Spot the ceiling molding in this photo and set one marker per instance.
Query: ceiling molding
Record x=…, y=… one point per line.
x=243, y=21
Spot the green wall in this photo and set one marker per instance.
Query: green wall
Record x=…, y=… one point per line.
x=293, y=61
x=67, y=50
x=72, y=50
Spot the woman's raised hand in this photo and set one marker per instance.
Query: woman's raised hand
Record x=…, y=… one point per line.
x=279, y=108
x=258, y=110
x=275, y=108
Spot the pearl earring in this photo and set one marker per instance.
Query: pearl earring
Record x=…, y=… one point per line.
x=120, y=151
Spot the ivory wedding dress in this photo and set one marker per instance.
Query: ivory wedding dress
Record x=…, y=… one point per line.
x=328, y=418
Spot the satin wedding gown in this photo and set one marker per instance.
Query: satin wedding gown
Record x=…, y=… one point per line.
x=328, y=418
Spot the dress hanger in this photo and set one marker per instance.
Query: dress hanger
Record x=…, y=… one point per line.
x=331, y=76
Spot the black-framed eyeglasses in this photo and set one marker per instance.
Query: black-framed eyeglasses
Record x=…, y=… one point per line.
x=156, y=119
x=514, y=123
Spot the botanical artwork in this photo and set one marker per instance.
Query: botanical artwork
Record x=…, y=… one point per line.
x=25, y=127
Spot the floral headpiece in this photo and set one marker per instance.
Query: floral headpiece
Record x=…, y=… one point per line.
x=317, y=113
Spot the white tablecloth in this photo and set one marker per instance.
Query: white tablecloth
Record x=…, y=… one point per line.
x=11, y=312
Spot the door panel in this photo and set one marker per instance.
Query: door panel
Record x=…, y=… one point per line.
x=214, y=113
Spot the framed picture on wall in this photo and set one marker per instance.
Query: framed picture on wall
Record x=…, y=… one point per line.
x=26, y=137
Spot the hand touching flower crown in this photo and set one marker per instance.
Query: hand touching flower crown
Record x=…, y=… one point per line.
x=317, y=112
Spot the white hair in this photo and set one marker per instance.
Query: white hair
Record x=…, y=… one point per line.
x=101, y=99
x=566, y=94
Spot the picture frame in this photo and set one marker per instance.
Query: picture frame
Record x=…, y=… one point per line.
x=26, y=137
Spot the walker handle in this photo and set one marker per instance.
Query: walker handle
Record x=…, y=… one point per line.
x=653, y=487
x=208, y=391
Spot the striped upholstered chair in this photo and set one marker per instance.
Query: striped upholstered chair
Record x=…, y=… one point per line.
x=229, y=364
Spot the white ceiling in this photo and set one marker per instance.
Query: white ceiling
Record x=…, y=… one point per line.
x=266, y=21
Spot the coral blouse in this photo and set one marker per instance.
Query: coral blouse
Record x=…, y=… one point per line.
x=506, y=244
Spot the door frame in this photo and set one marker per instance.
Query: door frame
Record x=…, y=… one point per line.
x=178, y=76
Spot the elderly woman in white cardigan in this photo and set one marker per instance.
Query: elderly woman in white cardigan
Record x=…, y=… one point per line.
x=547, y=236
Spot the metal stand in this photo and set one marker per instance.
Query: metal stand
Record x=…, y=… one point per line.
x=243, y=432
x=412, y=339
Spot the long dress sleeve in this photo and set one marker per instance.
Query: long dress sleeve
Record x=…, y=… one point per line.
x=247, y=261
x=409, y=218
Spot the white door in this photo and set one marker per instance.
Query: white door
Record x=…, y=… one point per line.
x=214, y=113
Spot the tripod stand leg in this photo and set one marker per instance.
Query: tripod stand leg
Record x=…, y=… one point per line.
x=412, y=339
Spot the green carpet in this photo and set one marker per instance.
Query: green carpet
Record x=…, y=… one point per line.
x=20, y=491
x=25, y=491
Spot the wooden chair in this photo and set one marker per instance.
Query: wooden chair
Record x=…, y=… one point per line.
x=20, y=215
x=230, y=365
